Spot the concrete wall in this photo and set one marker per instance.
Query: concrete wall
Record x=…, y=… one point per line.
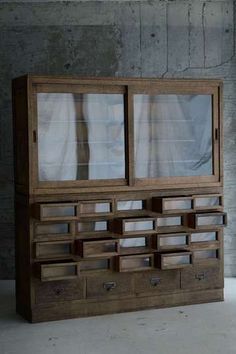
x=116, y=38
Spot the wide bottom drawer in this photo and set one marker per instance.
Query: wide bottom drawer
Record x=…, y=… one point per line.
x=62, y=290
x=157, y=281
x=109, y=285
x=201, y=277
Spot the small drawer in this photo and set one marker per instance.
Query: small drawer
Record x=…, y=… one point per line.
x=57, y=249
x=136, y=245
x=130, y=205
x=97, y=248
x=167, y=242
x=52, y=230
x=57, y=271
x=174, y=260
x=207, y=220
x=157, y=281
x=201, y=277
x=172, y=205
x=95, y=265
x=55, y=211
x=92, y=228
x=206, y=255
x=170, y=223
x=208, y=202
x=62, y=290
x=95, y=208
x=205, y=237
x=133, y=226
x=113, y=285
x=137, y=262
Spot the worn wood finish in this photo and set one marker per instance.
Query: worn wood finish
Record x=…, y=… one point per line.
x=70, y=261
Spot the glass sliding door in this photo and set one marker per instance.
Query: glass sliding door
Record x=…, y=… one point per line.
x=81, y=136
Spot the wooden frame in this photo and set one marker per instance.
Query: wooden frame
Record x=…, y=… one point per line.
x=181, y=246
x=161, y=259
x=193, y=220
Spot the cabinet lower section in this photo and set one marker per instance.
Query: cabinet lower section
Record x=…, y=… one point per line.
x=82, y=308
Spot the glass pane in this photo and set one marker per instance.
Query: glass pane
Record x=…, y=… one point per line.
x=139, y=225
x=169, y=221
x=90, y=208
x=80, y=136
x=210, y=220
x=89, y=226
x=178, y=204
x=55, y=249
x=174, y=260
x=133, y=242
x=207, y=201
x=205, y=254
x=52, y=229
x=174, y=240
x=173, y=135
x=53, y=211
x=203, y=236
x=130, y=205
x=135, y=263
x=95, y=265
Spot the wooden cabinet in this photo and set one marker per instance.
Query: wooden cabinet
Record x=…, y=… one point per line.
x=119, y=194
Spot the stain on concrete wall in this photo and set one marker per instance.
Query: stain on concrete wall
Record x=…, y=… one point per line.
x=158, y=38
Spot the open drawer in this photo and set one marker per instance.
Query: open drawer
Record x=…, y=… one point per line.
x=57, y=270
x=97, y=248
x=174, y=260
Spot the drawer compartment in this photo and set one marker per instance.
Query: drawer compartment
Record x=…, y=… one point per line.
x=174, y=260
x=157, y=281
x=208, y=202
x=57, y=249
x=133, y=226
x=55, y=211
x=167, y=242
x=205, y=237
x=136, y=245
x=109, y=285
x=135, y=262
x=206, y=255
x=172, y=205
x=173, y=223
x=207, y=220
x=50, y=230
x=57, y=271
x=130, y=205
x=92, y=228
x=92, y=265
x=200, y=277
x=97, y=248
x=59, y=291
x=95, y=208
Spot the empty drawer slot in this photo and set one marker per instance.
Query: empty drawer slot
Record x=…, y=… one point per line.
x=94, y=208
x=126, y=205
x=173, y=241
x=52, y=229
x=208, y=202
x=201, y=255
x=174, y=260
x=135, y=245
x=95, y=265
x=57, y=271
x=135, y=263
x=171, y=205
x=95, y=248
x=53, y=249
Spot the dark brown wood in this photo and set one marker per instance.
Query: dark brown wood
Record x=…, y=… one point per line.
x=70, y=262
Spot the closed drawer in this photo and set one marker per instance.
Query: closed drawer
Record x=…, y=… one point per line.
x=109, y=285
x=59, y=291
x=134, y=226
x=55, y=211
x=95, y=208
x=157, y=281
x=174, y=260
x=97, y=248
x=57, y=271
x=206, y=221
x=137, y=262
x=201, y=278
x=172, y=205
x=53, y=250
x=208, y=202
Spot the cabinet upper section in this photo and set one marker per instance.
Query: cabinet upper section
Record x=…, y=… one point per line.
x=116, y=134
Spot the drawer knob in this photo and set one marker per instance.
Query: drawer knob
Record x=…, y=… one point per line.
x=58, y=291
x=200, y=276
x=108, y=286
x=155, y=281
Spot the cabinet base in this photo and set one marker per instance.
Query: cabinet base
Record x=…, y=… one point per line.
x=73, y=309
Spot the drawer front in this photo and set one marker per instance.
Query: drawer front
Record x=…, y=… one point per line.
x=109, y=285
x=59, y=291
x=157, y=281
x=57, y=271
x=201, y=278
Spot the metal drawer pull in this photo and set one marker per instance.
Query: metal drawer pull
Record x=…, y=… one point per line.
x=109, y=285
x=200, y=276
x=155, y=281
x=58, y=291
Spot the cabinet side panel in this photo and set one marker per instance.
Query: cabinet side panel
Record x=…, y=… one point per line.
x=20, y=125
x=22, y=243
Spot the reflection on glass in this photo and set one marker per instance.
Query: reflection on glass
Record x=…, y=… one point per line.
x=95, y=264
x=174, y=240
x=173, y=135
x=139, y=225
x=169, y=221
x=80, y=136
x=130, y=205
x=133, y=242
x=178, y=204
x=207, y=201
x=210, y=220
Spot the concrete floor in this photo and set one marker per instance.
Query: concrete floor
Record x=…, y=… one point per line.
x=206, y=329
